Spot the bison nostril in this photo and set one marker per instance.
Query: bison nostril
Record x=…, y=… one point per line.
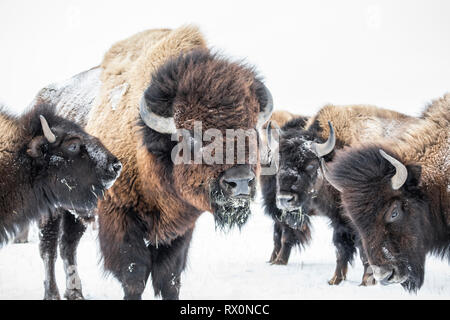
x=231, y=184
x=385, y=275
x=391, y=277
x=237, y=181
x=116, y=167
x=286, y=200
x=236, y=186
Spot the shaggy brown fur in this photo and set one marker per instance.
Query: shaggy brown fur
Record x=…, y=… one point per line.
x=357, y=123
x=399, y=227
x=14, y=137
x=280, y=117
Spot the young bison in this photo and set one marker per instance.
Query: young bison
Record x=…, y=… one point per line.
x=396, y=191
x=62, y=226
x=47, y=162
x=287, y=232
x=300, y=188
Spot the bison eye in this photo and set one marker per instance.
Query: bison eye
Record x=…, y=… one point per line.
x=395, y=214
x=73, y=146
x=309, y=167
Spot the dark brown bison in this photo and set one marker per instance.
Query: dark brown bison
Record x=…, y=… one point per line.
x=396, y=192
x=287, y=232
x=48, y=162
x=72, y=99
x=299, y=190
x=152, y=84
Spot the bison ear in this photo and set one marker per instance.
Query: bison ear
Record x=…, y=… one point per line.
x=265, y=102
x=414, y=173
x=34, y=149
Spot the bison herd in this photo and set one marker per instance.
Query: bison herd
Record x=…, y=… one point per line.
x=107, y=144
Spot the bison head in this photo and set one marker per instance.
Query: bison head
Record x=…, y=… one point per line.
x=70, y=167
x=215, y=106
x=383, y=199
x=298, y=176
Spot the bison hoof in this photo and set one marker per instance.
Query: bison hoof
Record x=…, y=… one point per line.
x=132, y=297
x=20, y=241
x=335, y=281
x=279, y=262
x=52, y=296
x=73, y=294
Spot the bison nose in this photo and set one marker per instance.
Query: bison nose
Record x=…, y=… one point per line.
x=237, y=181
x=286, y=200
x=384, y=275
x=116, y=167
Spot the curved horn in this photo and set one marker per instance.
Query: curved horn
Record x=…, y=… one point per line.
x=269, y=132
x=266, y=111
x=271, y=142
x=401, y=173
x=327, y=175
x=154, y=121
x=48, y=134
x=322, y=149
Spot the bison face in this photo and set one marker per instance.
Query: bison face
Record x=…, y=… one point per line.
x=210, y=102
x=72, y=168
x=383, y=200
x=398, y=256
x=299, y=177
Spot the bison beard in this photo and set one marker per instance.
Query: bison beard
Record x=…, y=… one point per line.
x=294, y=218
x=228, y=212
x=415, y=278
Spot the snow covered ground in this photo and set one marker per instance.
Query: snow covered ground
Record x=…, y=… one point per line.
x=222, y=266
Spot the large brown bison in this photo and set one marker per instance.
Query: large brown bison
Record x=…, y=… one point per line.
x=299, y=190
x=396, y=191
x=152, y=84
x=47, y=163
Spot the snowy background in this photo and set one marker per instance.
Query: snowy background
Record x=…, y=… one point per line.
x=393, y=54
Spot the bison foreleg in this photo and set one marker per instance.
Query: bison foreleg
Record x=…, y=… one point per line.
x=125, y=253
x=343, y=239
x=22, y=237
x=134, y=268
x=368, y=279
x=48, y=236
x=277, y=232
x=289, y=239
x=72, y=231
x=168, y=264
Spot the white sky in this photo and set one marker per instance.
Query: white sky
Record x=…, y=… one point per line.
x=390, y=53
